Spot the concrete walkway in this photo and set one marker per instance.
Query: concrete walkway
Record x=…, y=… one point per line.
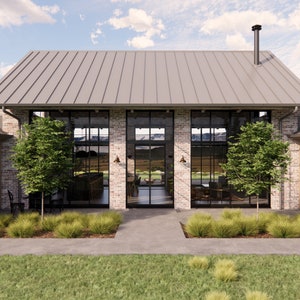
x=152, y=231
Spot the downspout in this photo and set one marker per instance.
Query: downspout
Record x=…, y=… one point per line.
x=20, y=126
x=281, y=132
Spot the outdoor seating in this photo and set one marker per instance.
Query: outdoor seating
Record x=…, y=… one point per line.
x=15, y=206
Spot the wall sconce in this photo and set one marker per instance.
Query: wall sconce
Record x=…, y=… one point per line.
x=117, y=160
x=182, y=160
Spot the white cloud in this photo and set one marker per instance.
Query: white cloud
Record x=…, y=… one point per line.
x=81, y=17
x=125, y=1
x=140, y=42
x=236, y=21
x=96, y=33
x=294, y=19
x=138, y=21
x=237, y=42
x=4, y=69
x=17, y=13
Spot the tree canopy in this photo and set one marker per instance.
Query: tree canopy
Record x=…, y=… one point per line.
x=257, y=158
x=43, y=156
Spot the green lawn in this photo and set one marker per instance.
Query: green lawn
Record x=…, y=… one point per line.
x=143, y=277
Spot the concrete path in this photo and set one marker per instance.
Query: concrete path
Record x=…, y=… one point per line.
x=151, y=231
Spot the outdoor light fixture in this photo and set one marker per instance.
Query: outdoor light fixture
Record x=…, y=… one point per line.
x=117, y=160
x=182, y=160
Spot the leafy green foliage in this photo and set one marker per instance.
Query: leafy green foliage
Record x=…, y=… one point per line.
x=43, y=156
x=256, y=159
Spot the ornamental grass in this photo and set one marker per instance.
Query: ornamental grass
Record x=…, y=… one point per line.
x=217, y=296
x=199, y=262
x=256, y=295
x=69, y=230
x=225, y=270
x=21, y=228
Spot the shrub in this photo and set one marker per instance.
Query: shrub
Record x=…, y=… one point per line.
x=198, y=262
x=21, y=228
x=225, y=228
x=199, y=227
x=225, y=270
x=231, y=214
x=69, y=230
x=256, y=295
x=6, y=219
x=2, y=229
x=284, y=228
x=217, y=296
x=103, y=224
x=49, y=223
x=248, y=226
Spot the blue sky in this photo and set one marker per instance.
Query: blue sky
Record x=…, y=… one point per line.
x=150, y=24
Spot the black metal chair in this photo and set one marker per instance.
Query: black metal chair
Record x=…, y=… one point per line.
x=15, y=206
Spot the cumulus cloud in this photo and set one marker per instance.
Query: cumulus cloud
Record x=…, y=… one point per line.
x=139, y=21
x=17, y=13
x=4, y=68
x=236, y=21
x=238, y=42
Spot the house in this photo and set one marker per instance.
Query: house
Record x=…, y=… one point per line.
x=151, y=127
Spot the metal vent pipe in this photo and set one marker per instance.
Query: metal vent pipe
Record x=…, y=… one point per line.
x=256, y=29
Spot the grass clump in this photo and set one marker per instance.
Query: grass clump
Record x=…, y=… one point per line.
x=69, y=217
x=264, y=219
x=248, y=226
x=116, y=216
x=231, y=214
x=225, y=270
x=284, y=228
x=217, y=296
x=32, y=217
x=21, y=228
x=257, y=295
x=6, y=219
x=69, y=230
x=199, y=225
x=226, y=228
x=103, y=224
x=49, y=223
x=199, y=262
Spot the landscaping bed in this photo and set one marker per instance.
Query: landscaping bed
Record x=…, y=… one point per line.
x=64, y=225
x=233, y=224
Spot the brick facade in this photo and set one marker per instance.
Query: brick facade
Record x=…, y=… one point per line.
x=288, y=197
x=117, y=147
x=182, y=171
x=8, y=180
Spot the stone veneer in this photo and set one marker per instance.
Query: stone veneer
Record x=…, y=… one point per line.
x=182, y=171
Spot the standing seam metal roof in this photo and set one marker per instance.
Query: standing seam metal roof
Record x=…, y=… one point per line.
x=151, y=78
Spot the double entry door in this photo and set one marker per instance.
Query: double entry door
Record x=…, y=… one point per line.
x=150, y=177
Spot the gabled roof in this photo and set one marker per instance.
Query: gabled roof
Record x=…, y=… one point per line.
x=89, y=79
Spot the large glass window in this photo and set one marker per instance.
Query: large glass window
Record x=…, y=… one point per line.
x=210, y=132
x=149, y=158
x=90, y=131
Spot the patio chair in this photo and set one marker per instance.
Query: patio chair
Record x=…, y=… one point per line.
x=15, y=206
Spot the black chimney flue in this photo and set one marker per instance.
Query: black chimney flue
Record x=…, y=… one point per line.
x=256, y=29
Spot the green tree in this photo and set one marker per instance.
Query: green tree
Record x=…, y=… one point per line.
x=257, y=159
x=43, y=157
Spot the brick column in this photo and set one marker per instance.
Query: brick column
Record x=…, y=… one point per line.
x=117, y=171
x=182, y=171
x=288, y=195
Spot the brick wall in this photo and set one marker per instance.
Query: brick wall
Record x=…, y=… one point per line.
x=8, y=175
x=117, y=147
x=287, y=196
x=182, y=171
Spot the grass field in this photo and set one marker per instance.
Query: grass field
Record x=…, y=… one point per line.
x=143, y=277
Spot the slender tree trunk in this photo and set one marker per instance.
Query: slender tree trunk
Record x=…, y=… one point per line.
x=42, y=205
x=257, y=206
